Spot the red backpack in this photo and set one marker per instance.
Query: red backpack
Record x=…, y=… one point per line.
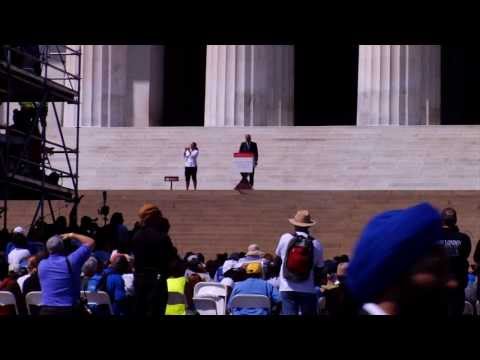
x=299, y=258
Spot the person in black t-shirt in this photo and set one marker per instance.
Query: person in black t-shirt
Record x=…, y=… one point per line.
x=153, y=251
x=457, y=246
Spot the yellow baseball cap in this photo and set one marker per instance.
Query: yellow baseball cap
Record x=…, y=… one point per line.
x=254, y=268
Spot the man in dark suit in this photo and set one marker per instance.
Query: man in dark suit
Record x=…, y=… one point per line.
x=248, y=146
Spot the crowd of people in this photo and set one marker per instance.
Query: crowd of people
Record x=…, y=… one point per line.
x=412, y=261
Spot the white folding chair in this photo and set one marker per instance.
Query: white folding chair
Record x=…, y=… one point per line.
x=206, y=306
x=468, y=309
x=250, y=301
x=471, y=292
x=321, y=306
x=216, y=291
x=33, y=298
x=7, y=298
x=98, y=298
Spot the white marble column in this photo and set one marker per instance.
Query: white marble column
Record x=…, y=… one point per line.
x=122, y=85
x=70, y=110
x=249, y=85
x=399, y=85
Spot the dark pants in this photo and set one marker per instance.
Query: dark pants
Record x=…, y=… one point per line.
x=250, y=177
x=294, y=302
x=456, y=301
x=151, y=294
x=191, y=173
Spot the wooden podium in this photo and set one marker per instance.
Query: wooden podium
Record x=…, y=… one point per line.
x=243, y=163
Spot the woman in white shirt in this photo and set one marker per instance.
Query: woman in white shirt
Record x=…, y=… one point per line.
x=190, y=155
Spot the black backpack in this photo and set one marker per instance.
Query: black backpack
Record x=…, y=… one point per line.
x=298, y=262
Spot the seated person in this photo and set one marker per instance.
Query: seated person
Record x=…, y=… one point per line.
x=89, y=269
x=254, y=254
x=115, y=285
x=30, y=281
x=229, y=269
x=195, y=266
x=254, y=285
x=220, y=260
x=17, y=257
x=94, y=280
x=8, y=282
x=272, y=274
x=335, y=297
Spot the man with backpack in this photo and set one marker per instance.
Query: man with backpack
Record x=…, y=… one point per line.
x=301, y=255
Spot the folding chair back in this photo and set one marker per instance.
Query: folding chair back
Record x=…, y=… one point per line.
x=7, y=298
x=99, y=298
x=250, y=301
x=33, y=298
x=468, y=309
x=205, y=306
x=217, y=292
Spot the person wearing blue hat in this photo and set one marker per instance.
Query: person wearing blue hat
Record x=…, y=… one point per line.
x=397, y=267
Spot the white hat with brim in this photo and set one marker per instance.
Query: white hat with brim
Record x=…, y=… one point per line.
x=302, y=219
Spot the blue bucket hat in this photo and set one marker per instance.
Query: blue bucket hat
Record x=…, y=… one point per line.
x=389, y=245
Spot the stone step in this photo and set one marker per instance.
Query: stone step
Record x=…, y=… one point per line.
x=218, y=221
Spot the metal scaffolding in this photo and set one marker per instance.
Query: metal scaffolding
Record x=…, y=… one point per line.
x=38, y=78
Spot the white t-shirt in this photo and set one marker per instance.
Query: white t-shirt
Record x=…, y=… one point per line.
x=128, y=280
x=191, y=158
x=306, y=286
x=227, y=281
x=15, y=257
x=21, y=281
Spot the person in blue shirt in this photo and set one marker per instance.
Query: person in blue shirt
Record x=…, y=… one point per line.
x=115, y=285
x=60, y=273
x=254, y=285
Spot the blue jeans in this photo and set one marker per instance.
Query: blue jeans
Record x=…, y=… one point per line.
x=293, y=302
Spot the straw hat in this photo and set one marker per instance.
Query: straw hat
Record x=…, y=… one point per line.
x=302, y=219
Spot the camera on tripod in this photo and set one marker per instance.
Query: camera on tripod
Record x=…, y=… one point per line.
x=104, y=210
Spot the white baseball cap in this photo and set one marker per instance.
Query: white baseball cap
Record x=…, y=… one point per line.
x=19, y=230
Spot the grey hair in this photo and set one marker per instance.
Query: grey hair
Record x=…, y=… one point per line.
x=90, y=265
x=55, y=245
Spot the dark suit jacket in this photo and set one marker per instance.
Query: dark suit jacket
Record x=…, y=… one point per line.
x=253, y=149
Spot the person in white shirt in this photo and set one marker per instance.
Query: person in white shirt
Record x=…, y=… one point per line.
x=19, y=254
x=300, y=255
x=190, y=155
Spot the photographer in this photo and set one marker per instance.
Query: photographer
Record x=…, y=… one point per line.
x=60, y=274
x=190, y=155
